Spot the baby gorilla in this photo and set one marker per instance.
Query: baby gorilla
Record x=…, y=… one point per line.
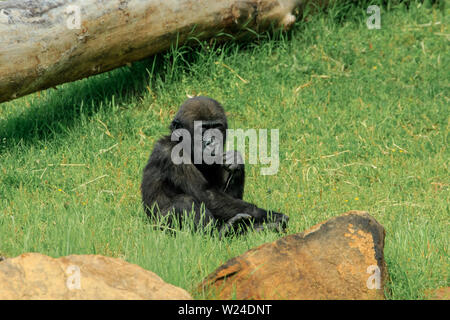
x=175, y=185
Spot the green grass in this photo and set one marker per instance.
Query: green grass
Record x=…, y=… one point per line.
x=364, y=124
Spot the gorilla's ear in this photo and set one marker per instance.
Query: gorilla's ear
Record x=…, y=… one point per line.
x=176, y=124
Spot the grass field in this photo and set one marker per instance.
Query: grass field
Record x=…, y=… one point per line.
x=363, y=118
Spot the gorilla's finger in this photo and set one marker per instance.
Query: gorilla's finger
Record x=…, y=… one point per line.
x=239, y=217
x=228, y=226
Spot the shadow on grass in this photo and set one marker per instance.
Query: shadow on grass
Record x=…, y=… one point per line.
x=52, y=114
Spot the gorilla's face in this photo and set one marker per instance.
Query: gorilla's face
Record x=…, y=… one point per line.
x=206, y=122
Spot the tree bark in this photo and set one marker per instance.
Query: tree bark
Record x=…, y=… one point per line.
x=43, y=45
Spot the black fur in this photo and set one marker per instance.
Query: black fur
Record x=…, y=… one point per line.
x=170, y=190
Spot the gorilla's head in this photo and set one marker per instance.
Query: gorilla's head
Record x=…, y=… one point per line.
x=206, y=122
x=204, y=109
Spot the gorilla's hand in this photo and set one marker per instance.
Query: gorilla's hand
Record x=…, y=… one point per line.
x=275, y=221
x=232, y=160
x=232, y=225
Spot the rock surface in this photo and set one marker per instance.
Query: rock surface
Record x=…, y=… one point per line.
x=36, y=276
x=341, y=258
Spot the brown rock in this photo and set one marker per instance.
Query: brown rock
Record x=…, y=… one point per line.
x=438, y=294
x=36, y=276
x=335, y=259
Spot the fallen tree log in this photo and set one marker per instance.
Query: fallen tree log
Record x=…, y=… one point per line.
x=49, y=42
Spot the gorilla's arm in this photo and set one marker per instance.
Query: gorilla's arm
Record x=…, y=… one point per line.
x=233, y=172
x=191, y=181
x=234, y=182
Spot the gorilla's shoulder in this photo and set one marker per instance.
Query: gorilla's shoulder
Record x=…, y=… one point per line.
x=162, y=150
